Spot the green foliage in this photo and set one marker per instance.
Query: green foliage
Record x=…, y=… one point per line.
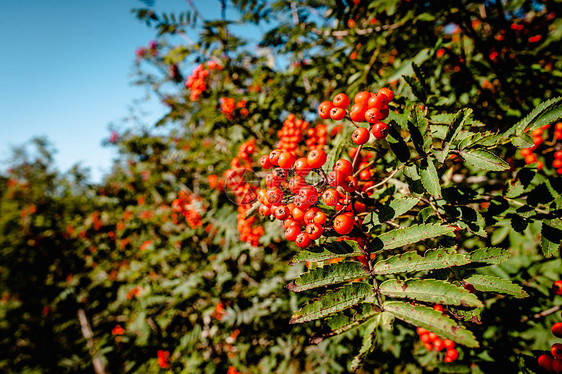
x=159, y=257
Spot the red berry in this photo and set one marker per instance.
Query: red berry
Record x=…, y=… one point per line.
x=362, y=97
x=373, y=115
x=292, y=232
x=357, y=112
x=451, y=355
x=557, y=365
x=274, y=156
x=425, y=338
x=309, y=215
x=545, y=362
x=380, y=130
x=557, y=287
x=350, y=184
x=297, y=213
x=282, y=213
x=286, y=160
x=303, y=240
x=556, y=350
x=557, y=329
x=265, y=210
x=301, y=167
x=557, y=164
x=421, y=330
x=264, y=162
x=337, y=114
x=314, y=230
x=438, y=344
x=558, y=155
x=558, y=135
x=274, y=195
x=343, y=224
x=360, y=136
x=388, y=93
x=344, y=167
x=530, y=159
x=341, y=101
x=316, y=158
x=526, y=152
x=439, y=308
x=308, y=196
x=319, y=217
x=377, y=101
x=324, y=109
x=448, y=343
x=330, y=197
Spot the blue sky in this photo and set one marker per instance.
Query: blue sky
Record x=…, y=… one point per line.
x=65, y=73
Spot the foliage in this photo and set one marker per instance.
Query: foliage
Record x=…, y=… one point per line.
x=166, y=264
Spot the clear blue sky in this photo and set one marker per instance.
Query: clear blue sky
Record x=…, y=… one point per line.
x=65, y=73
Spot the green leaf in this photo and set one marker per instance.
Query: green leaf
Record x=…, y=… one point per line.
x=328, y=251
x=346, y=320
x=486, y=138
x=327, y=275
x=484, y=160
x=419, y=131
x=547, y=112
x=431, y=291
x=412, y=261
x=429, y=177
x=392, y=210
x=333, y=301
x=431, y=320
x=416, y=88
x=367, y=345
x=489, y=255
x=489, y=283
x=524, y=140
x=551, y=240
x=409, y=235
x=454, y=128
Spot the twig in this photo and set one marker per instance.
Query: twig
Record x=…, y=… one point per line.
x=544, y=313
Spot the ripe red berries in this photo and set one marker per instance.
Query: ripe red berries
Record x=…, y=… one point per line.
x=360, y=136
x=380, y=130
x=343, y=224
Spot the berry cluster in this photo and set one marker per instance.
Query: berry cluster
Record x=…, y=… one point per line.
x=431, y=341
x=187, y=204
x=196, y=81
x=368, y=107
x=545, y=142
x=553, y=362
x=244, y=193
x=316, y=137
x=291, y=133
x=229, y=105
x=163, y=359
x=151, y=51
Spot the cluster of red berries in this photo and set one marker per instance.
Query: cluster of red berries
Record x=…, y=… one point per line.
x=553, y=362
x=291, y=133
x=317, y=136
x=187, y=204
x=196, y=82
x=541, y=137
x=152, y=50
x=229, y=105
x=291, y=199
x=368, y=107
x=431, y=341
x=235, y=181
x=163, y=359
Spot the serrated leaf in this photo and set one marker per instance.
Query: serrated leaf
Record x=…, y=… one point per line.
x=328, y=251
x=409, y=235
x=431, y=291
x=486, y=138
x=419, y=131
x=367, y=345
x=524, y=140
x=489, y=283
x=454, y=128
x=484, y=160
x=333, y=301
x=344, y=321
x=551, y=240
x=416, y=88
x=327, y=275
x=412, y=261
x=545, y=113
x=489, y=255
x=431, y=320
x=392, y=210
x=429, y=177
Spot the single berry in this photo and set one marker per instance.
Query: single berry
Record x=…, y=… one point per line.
x=337, y=114
x=292, y=232
x=343, y=224
x=557, y=329
x=545, y=362
x=373, y=115
x=341, y=101
x=380, y=130
x=316, y=158
x=303, y=240
x=377, y=101
x=324, y=109
x=357, y=112
x=362, y=97
x=360, y=136
x=388, y=93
